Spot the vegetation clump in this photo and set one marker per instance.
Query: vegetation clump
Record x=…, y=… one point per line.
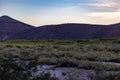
x=99, y=55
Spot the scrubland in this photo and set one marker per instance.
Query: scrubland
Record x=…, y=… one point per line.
x=102, y=56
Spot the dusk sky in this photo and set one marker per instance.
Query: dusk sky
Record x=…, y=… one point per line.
x=44, y=12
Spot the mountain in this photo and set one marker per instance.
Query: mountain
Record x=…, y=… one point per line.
x=70, y=31
x=11, y=29
x=10, y=26
x=114, y=31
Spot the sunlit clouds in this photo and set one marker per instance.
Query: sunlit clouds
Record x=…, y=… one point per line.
x=44, y=12
x=105, y=12
x=104, y=17
x=106, y=5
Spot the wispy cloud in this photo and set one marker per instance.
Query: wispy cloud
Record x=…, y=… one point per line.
x=104, y=17
x=106, y=5
x=42, y=12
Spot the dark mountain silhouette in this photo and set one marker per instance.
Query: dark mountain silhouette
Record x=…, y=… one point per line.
x=10, y=26
x=70, y=31
x=64, y=31
x=114, y=32
x=11, y=29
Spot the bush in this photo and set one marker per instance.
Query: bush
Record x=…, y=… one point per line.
x=117, y=77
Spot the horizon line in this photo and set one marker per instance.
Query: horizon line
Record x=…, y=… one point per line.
x=60, y=23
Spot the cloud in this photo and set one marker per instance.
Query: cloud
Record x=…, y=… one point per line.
x=105, y=5
x=42, y=12
x=104, y=17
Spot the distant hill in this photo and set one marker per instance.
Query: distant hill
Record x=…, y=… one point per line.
x=10, y=26
x=11, y=29
x=70, y=31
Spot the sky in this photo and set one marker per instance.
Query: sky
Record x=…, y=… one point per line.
x=47, y=12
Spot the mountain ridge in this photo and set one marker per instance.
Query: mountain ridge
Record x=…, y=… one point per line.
x=10, y=26
x=61, y=32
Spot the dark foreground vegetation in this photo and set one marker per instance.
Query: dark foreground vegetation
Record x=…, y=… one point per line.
x=18, y=58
